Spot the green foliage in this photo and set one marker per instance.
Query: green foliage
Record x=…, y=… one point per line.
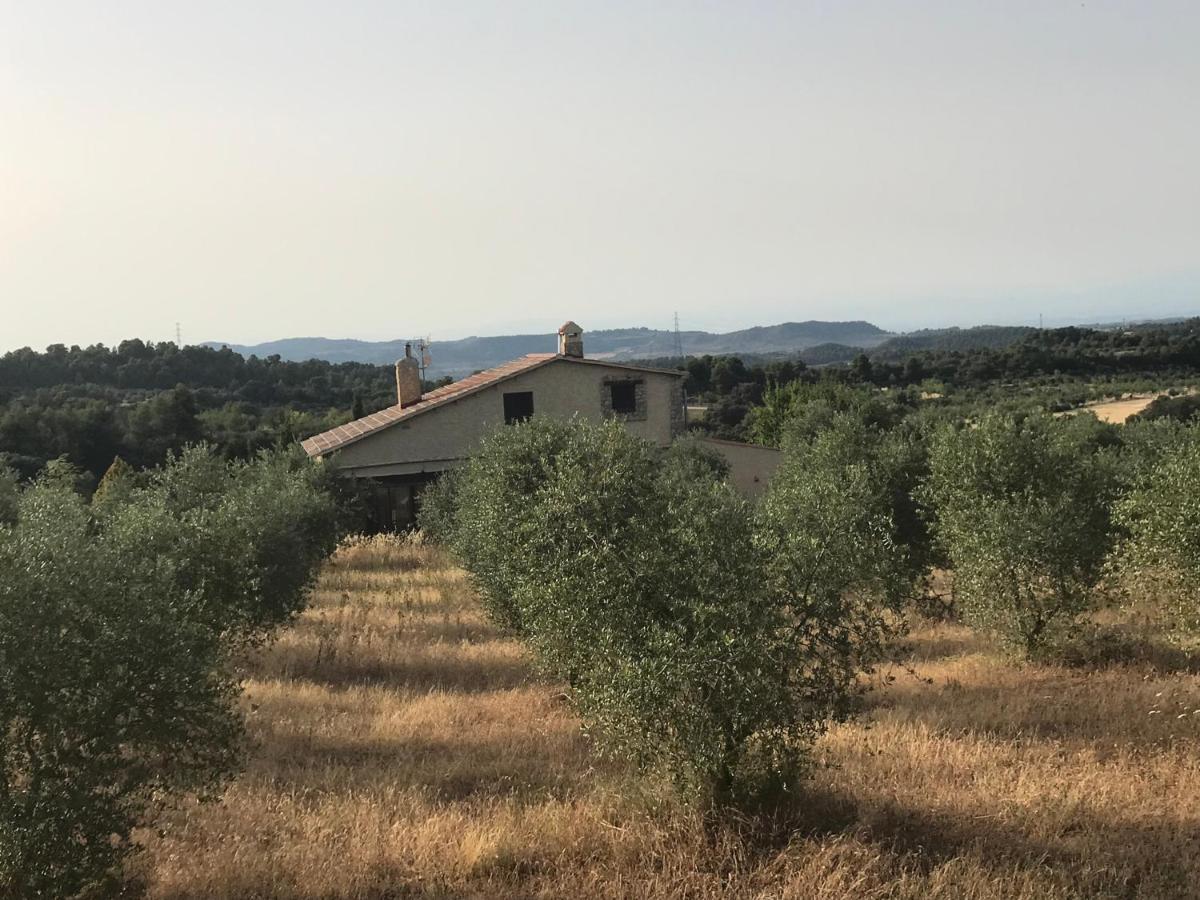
x=439, y=502
x=1159, y=561
x=63, y=473
x=162, y=424
x=692, y=459
x=9, y=494
x=1185, y=408
x=258, y=533
x=639, y=579
x=142, y=401
x=1023, y=511
x=802, y=410
x=112, y=698
x=489, y=522
x=117, y=625
x=830, y=543
x=828, y=425
x=765, y=423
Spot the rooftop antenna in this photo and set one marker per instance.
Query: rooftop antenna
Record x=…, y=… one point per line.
x=679, y=354
x=421, y=347
x=423, y=354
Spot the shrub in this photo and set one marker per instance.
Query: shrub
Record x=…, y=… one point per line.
x=258, y=532
x=9, y=493
x=692, y=459
x=1173, y=407
x=1023, y=511
x=800, y=410
x=113, y=699
x=831, y=556
x=117, y=624
x=490, y=525
x=1159, y=561
x=642, y=585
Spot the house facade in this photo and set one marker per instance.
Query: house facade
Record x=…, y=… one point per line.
x=404, y=447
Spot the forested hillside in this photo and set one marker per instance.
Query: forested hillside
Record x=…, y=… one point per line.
x=140, y=400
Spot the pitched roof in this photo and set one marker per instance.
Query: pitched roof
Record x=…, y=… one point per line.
x=343, y=435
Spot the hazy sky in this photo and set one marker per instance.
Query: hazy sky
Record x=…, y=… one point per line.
x=261, y=170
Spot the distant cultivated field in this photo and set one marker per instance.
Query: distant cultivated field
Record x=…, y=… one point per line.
x=1117, y=411
x=405, y=749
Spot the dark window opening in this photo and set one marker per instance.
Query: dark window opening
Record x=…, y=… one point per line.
x=518, y=406
x=624, y=396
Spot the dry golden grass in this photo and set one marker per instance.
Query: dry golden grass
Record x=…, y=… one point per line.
x=405, y=749
x=1117, y=411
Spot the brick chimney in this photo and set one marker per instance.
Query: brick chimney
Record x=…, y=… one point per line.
x=570, y=340
x=408, y=379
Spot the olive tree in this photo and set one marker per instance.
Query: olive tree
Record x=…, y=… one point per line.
x=832, y=558
x=1023, y=512
x=1158, y=562
x=482, y=511
x=256, y=534
x=118, y=623
x=642, y=580
x=112, y=699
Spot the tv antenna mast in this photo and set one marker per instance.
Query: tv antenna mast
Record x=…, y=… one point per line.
x=425, y=357
x=421, y=347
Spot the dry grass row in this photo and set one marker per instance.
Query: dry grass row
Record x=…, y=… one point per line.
x=404, y=748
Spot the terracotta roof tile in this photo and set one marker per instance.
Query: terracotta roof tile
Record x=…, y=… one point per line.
x=342, y=435
x=336, y=438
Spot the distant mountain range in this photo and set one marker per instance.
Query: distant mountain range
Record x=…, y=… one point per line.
x=817, y=343
x=461, y=357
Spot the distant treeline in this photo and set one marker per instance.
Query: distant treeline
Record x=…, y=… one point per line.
x=1066, y=351
x=960, y=358
x=905, y=345
x=734, y=386
x=135, y=365
x=141, y=401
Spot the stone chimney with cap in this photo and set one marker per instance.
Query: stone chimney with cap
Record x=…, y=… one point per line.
x=570, y=340
x=408, y=379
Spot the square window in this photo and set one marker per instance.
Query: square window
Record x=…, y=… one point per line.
x=624, y=396
x=518, y=406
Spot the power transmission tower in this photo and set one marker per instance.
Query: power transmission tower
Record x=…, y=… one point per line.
x=178, y=336
x=678, y=340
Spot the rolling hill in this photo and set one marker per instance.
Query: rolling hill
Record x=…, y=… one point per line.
x=470, y=354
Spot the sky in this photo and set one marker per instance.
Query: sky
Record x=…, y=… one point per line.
x=255, y=171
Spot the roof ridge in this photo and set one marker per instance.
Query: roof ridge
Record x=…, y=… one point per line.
x=353, y=431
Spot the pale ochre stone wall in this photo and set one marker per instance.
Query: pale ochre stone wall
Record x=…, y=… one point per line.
x=750, y=466
x=441, y=437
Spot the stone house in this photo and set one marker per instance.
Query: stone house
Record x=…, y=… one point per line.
x=404, y=447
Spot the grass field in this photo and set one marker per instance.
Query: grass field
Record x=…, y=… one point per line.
x=404, y=748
